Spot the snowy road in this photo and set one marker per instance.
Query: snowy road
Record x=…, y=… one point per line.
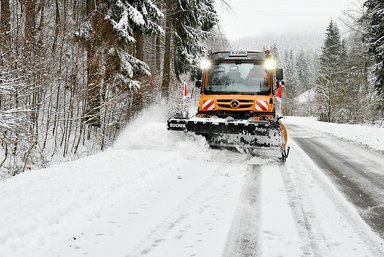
x=356, y=171
x=173, y=196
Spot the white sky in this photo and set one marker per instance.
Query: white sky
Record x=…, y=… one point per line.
x=256, y=17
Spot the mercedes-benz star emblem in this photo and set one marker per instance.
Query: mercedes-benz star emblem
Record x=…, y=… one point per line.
x=235, y=103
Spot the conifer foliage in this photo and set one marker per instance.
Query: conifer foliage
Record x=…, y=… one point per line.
x=189, y=24
x=107, y=33
x=374, y=34
x=331, y=75
x=193, y=21
x=292, y=86
x=299, y=77
x=346, y=90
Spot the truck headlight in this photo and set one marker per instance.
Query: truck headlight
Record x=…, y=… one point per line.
x=270, y=64
x=205, y=64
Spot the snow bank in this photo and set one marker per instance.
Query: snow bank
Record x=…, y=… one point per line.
x=368, y=135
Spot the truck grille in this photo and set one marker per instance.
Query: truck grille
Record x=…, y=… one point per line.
x=243, y=104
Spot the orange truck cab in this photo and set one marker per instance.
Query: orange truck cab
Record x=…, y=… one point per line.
x=239, y=84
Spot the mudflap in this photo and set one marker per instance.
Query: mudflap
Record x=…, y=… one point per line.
x=284, y=154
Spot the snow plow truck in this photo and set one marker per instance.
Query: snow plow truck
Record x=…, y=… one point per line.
x=238, y=104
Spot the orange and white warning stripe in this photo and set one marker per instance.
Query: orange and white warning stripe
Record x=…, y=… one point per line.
x=261, y=105
x=209, y=105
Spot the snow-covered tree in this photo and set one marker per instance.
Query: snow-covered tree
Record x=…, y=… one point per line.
x=303, y=75
x=374, y=35
x=291, y=80
x=331, y=75
x=218, y=41
x=5, y=25
x=192, y=26
x=358, y=98
x=16, y=138
x=276, y=54
x=107, y=34
x=188, y=23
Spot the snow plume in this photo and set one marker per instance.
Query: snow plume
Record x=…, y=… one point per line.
x=149, y=132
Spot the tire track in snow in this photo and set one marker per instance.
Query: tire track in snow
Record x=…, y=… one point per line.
x=159, y=234
x=244, y=237
x=308, y=229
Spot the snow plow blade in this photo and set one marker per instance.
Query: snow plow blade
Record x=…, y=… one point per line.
x=177, y=123
x=242, y=133
x=255, y=137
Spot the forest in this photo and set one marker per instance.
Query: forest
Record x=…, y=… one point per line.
x=73, y=73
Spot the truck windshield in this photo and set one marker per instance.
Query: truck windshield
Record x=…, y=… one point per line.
x=237, y=78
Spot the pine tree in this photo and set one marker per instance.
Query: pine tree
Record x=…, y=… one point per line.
x=358, y=98
x=330, y=75
x=108, y=33
x=192, y=26
x=191, y=22
x=343, y=90
x=302, y=72
x=291, y=80
x=374, y=34
x=276, y=54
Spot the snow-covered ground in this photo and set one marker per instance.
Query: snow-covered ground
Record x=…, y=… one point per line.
x=364, y=134
x=160, y=193
x=149, y=172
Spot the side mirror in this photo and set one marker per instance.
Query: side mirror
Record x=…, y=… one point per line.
x=279, y=74
x=198, y=83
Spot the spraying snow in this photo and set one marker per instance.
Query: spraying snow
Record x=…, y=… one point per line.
x=149, y=132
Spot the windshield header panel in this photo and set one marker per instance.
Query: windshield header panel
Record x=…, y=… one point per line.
x=238, y=55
